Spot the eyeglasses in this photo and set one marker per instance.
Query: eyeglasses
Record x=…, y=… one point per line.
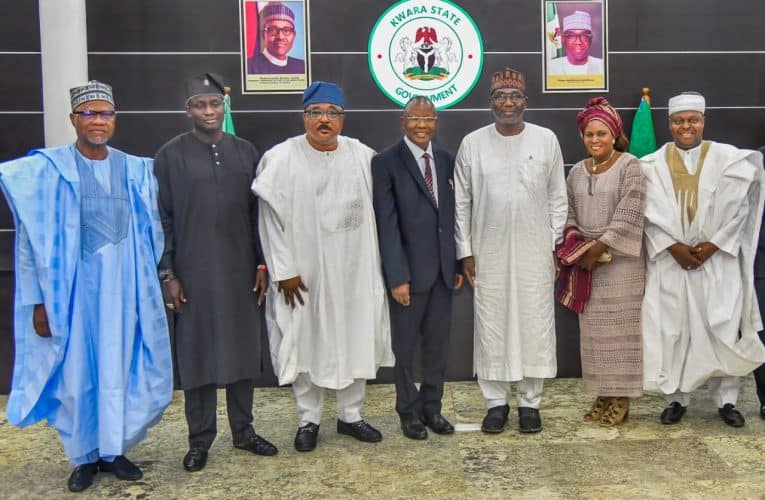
x=316, y=114
x=273, y=31
x=90, y=115
x=501, y=97
x=417, y=119
x=582, y=37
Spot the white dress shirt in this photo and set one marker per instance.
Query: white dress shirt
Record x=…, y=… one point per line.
x=418, y=153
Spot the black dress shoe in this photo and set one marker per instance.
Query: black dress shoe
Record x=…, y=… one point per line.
x=438, y=424
x=122, y=468
x=495, y=420
x=731, y=415
x=195, y=460
x=360, y=430
x=529, y=420
x=413, y=429
x=257, y=445
x=305, y=439
x=82, y=477
x=672, y=413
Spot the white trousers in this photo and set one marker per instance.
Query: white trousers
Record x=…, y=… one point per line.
x=725, y=390
x=529, y=392
x=309, y=399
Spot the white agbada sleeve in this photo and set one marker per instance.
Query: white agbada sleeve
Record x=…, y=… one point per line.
x=557, y=197
x=463, y=202
x=728, y=237
x=275, y=219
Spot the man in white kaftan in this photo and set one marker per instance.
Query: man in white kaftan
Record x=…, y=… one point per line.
x=700, y=313
x=511, y=207
x=331, y=329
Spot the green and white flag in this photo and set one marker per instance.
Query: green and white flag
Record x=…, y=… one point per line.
x=643, y=140
x=552, y=32
x=228, y=121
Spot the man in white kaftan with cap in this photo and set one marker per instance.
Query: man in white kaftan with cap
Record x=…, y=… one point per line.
x=331, y=328
x=510, y=208
x=700, y=313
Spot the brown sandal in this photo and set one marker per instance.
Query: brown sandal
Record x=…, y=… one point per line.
x=597, y=410
x=617, y=412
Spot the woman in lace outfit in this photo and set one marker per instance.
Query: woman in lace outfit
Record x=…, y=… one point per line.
x=606, y=200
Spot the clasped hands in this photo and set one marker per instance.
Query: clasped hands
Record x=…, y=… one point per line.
x=692, y=257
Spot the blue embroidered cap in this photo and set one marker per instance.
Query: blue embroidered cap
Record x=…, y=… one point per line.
x=323, y=92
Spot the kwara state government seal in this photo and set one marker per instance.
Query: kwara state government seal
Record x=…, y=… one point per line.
x=425, y=47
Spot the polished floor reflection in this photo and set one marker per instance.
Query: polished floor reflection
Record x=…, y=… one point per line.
x=699, y=458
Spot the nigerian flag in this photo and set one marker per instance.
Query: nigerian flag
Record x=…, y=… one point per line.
x=643, y=140
x=552, y=32
x=228, y=121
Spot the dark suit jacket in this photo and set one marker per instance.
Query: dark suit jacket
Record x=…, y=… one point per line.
x=759, y=260
x=416, y=238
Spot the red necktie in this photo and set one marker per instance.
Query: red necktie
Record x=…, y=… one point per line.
x=429, y=177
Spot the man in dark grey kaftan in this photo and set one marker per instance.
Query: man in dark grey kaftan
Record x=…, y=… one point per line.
x=210, y=269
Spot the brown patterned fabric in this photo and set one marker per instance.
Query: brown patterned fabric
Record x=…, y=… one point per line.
x=508, y=78
x=686, y=185
x=610, y=331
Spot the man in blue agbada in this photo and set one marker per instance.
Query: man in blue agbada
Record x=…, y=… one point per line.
x=92, y=346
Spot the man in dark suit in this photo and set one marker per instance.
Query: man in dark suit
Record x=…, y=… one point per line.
x=759, y=286
x=414, y=207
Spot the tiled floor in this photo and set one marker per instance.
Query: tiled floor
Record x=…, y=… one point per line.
x=699, y=458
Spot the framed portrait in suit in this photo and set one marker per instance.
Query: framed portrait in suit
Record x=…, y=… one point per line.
x=275, y=51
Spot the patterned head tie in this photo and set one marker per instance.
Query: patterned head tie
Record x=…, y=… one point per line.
x=599, y=109
x=91, y=91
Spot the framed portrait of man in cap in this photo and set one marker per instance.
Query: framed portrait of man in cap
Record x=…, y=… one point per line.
x=275, y=46
x=575, y=46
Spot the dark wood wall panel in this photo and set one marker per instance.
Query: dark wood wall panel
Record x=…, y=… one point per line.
x=147, y=48
x=163, y=25
x=18, y=134
x=19, y=26
x=22, y=91
x=6, y=330
x=680, y=25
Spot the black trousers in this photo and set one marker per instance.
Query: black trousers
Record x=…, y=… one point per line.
x=759, y=373
x=201, y=412
x=429, y=314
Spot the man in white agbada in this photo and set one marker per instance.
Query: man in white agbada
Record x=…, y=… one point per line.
x=700, y=313
x=511, y=206
x=331, y=328
x=577, y=39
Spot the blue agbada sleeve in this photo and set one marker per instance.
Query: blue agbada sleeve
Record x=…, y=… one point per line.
x=42, y=191
x=38, y=189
